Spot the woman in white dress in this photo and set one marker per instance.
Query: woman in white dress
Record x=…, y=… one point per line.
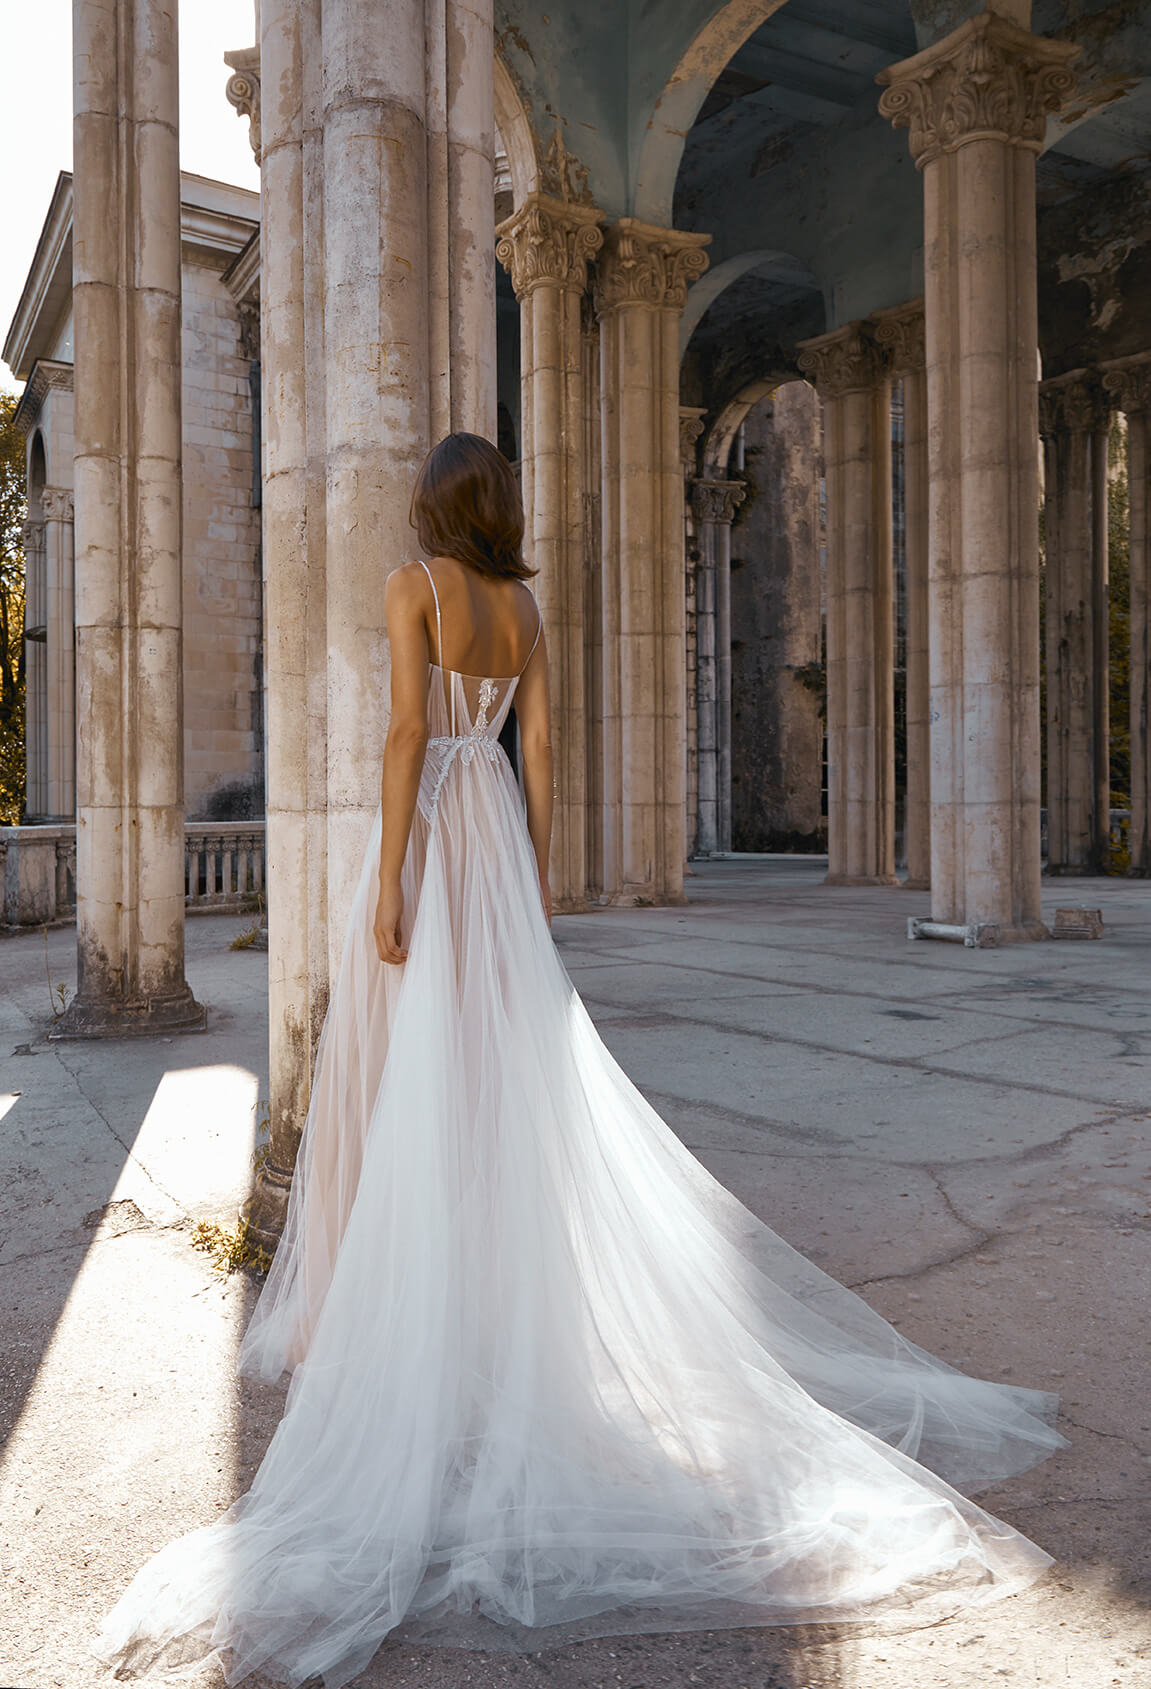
x=551, y=1380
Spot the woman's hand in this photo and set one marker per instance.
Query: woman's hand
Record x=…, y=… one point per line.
x=386, y=927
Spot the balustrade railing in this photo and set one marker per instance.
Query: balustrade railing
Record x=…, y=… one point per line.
x=224, y=869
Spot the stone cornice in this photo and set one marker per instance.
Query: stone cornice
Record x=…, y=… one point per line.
x=47, y=374
x=647, y=266
x=1130, y=381
x=243, y=90
x=845, y=361
x=1074, y=403
x=988, y=79
x=717, y=501
x=549, y=243
x=900, y=331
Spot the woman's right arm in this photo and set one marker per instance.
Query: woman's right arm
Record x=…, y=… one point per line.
x=533, y=714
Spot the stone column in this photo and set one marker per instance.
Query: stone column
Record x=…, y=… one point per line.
x=900, y=332
x=1130, y=380
x=690, y=428
x=715, y=504
x=546, y=246
x=377, y=157
x=57, y=510
x=292, y=514
x=641, y=287
x=975, y=103
x=1074, y=416
x=851, y=376
x=33, y=540
x=776, y=726
x=126, y=299
x=409, y=338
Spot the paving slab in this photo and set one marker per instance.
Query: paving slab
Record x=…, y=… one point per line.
x=962, y=1136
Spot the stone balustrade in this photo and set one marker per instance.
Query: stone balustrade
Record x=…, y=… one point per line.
x=224, y=870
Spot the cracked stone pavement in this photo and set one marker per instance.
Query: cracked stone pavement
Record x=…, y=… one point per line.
x=962, y=1136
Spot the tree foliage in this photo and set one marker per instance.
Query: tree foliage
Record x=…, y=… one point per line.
x=13, y=509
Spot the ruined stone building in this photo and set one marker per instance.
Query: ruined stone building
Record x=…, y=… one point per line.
x=763, y=298
x=222, y=613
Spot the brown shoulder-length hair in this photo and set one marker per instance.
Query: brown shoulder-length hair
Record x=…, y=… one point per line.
x=467, y=505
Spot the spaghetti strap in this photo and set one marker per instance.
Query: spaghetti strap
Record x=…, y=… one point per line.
x=439, y=627
x=446, y=680
x=539, y=630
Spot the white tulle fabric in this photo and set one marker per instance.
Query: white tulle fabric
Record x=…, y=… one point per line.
x=551, y=1380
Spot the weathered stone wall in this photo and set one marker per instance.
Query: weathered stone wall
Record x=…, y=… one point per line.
x=223, y=755
x=777, y=734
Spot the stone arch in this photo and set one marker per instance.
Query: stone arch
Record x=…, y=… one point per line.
x=718, y=442
x=708, y=288
x=37, y=467
x=661, y=146
x=515, y=131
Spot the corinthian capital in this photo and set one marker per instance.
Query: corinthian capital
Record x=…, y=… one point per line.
x=988, y=79
x=243, y=90
x=1073, y=404
x=900, y=333
x=845, y=361
x=645, y=265
x=549, y=243
x=56, y=504
x=717, y=501
x=1130, y=381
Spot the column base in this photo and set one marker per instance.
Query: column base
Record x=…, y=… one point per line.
x=860, y=880
x=571, y=905
x=146, y=1018
x=1076, y=871
x=267, y=1208
x=915, y=885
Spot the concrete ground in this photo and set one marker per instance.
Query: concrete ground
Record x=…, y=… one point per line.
x=963, y=1136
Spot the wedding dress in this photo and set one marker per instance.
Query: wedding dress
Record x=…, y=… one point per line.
x=551, y=1380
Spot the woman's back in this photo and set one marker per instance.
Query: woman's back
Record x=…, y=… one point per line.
x=488, y=626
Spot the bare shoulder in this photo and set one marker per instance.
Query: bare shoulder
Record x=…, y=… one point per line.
x=406, y=586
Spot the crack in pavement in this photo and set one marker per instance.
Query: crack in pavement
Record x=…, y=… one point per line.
x=129, y=1149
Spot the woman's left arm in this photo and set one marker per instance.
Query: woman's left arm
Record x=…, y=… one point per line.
x=404, y=750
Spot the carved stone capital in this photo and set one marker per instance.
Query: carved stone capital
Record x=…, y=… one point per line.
x=845, y=361
x=549, y=243
x=717, y=501
x=1130, y=381
x=988, y=79
x=243, y=90
x=56, y=504
x=1073, y=404
x=31, y=535
x=647, y=266
x=900, y=332
x=690, y=428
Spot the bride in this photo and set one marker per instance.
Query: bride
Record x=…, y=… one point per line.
x=549, y=1379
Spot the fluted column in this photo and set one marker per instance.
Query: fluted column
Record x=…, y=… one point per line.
x=1130, y=380
x=546, y=247
x=975, y=104
x=852, y=379
x=1074, y=416
x=690, y=429
x=126, y=298
x=641, y=288
x=57, y=509
x=901, y=332
x=715, y=504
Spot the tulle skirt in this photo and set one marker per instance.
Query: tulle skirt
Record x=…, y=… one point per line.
x=551, y=1380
